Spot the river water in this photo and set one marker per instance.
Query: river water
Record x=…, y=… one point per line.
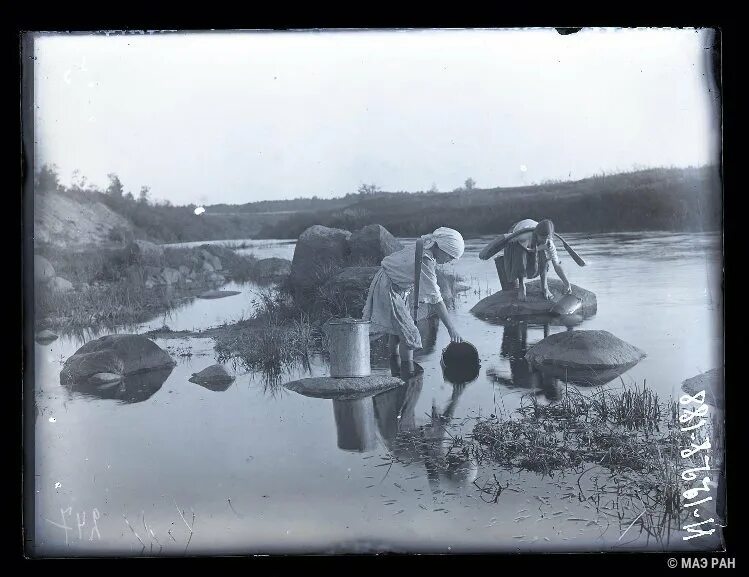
x=253, y=469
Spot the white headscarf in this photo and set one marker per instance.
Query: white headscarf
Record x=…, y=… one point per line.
x=447, y=239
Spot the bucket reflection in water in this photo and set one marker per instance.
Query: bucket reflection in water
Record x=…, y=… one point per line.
x=355, y=425
x=349, y=347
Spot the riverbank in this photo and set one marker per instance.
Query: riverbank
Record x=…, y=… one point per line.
x=109, y=286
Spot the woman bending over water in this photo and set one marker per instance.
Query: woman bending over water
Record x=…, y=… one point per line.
x=387, y=301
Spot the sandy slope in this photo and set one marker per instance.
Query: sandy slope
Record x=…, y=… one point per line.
x=65, y=222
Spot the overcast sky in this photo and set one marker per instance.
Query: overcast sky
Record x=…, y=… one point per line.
x=237, y=117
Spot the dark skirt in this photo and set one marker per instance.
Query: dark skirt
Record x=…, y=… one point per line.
x=520, y=262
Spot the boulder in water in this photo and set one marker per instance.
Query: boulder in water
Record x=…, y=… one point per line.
x=712, y=383
x=120, y=354
x=46, y=336
x=597, y=350
x=371, y=244
x=505, y=304
x=347, y=388
x=214, y=378
x=318, y=251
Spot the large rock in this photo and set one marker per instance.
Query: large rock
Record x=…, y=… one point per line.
x=505, y=304
x=46, y=336
x=214, y=378
x=43, y=269
x=348, y=388
x=270, y=268
x=120, y=354
x=371, y=244
x=712, y=383
x=596, y=350
x=60, y=284
x=137, y=250
x=318, y=251
x=346, y=293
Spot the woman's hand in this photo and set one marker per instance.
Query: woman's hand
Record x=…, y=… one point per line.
x=547, y=295
x=568, y=288
x=455, y=336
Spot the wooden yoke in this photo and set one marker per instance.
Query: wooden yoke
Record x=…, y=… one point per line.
x=418, y=255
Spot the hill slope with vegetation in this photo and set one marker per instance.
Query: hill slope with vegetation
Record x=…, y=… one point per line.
x=676, y=199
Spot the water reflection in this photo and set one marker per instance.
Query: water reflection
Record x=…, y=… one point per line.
x=447, y=464
x=131, y=389
x=355, y=424
x=514, y=347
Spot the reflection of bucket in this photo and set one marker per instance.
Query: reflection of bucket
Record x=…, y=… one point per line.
x=460, y=363
x=349, y=347
x=355, y=424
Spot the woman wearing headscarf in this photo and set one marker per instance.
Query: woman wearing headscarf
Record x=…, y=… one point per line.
x=529, y=255
x=387, y=306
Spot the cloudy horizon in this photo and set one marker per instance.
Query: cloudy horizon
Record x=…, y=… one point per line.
x=222, y=117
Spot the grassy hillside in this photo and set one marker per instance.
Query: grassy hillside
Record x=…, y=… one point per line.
x=656, y=199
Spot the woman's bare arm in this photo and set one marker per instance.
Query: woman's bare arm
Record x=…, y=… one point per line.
x=445, y=318
x=560, y=272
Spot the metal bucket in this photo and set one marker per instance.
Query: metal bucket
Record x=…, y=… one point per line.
x=460, y=363
x=349, y=348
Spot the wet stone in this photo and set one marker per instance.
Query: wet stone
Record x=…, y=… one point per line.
x=711, y=382
x=504, y=304
x=584, y=350
x=46, y=336
x=217, y=294
x=345, y=388
x=214, y=378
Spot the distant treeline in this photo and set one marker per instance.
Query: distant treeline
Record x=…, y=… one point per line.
x=293, y=205
x=677, y=199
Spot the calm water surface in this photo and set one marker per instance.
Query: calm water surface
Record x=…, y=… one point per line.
x=254, y=469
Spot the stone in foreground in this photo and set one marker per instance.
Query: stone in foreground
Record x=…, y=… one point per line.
x=596, y=350
x=505, y=304
x=712, y=383
x=46, y=336
x=343, y=389
x=217, y=294
x=120, y=354
x=214, y=378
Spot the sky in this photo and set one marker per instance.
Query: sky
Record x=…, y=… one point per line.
x=220, y=117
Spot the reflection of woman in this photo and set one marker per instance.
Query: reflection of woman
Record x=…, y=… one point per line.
x=514, y=347
x=387, y=301
x=395, y=415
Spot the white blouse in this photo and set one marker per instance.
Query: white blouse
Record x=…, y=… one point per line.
x=525, y=240
x=399, y=266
